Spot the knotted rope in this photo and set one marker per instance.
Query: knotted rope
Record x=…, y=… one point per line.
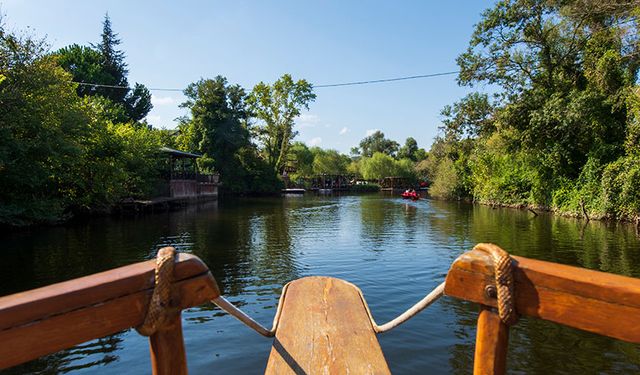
x=160, y=310
x=505, y=285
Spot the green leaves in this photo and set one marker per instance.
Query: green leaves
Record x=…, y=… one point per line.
x=217, y=128
x=563, y=132
x=377, y=142
x=380, y=165
x=276, y=107
x=103, y=64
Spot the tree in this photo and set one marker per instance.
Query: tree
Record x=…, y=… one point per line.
x=59, y=153
x=276, y=107
x=113, y=65
x=138, y=102
x=217, y=128
x=329, y=162
x=85, y=64
x=103, y=64
x=377, y=167
x=302, y=158
x=469, y=117
x=376, y=142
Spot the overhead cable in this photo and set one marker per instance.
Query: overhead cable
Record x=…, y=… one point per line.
x=355, y=83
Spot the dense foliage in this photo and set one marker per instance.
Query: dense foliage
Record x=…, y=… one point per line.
x=561, y=130
x=104, y=64
x=276, y=107
x=218, y=129
x=60, y=153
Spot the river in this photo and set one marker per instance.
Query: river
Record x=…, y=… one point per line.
x=395, y=251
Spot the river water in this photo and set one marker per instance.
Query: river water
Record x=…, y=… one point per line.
x=395, y=251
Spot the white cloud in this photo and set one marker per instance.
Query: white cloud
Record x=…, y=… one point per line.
x=154, y=120
x=162, y=100
x=371, y=131
x=344, y=130
x=307, y=120
x=315, y=141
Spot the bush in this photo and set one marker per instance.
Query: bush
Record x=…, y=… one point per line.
x=446, y=182
x=621, y=188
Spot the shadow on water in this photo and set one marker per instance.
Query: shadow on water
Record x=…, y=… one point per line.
x=394, y=250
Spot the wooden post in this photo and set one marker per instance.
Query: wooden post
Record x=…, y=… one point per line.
x=491, y=343
x=168, y=356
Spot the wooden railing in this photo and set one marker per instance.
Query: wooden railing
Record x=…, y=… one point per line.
x=49, y=319
x=593, y=301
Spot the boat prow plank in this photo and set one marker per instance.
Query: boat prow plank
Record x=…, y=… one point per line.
x=325, y=328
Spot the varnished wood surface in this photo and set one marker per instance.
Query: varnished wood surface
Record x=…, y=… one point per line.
x=325, y=329
x=168, y=356
x=491, y=344
x=593, y=301
x=49, y=319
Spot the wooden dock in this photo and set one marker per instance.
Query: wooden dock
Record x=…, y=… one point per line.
x=160, y=204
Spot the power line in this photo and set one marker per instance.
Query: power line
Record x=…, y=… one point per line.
x=123, y=87
x=315, y=86
x=386, y=80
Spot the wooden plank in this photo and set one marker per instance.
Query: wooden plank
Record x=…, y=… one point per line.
x=35, y=304
x=593, y=301
x=324, y=328
x=491, y=344
x=168, y=356
x=103, y=313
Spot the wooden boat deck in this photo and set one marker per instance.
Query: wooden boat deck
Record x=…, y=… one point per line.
x=325, y=329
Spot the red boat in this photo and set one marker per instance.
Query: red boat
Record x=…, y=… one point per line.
x=410, y=195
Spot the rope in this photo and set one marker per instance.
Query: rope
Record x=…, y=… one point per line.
x=505, y=285
x=429, y=299
x=225, y=305
x=160, y=311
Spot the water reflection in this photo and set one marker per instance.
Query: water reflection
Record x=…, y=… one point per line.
x=94, y=353
x=394, y=250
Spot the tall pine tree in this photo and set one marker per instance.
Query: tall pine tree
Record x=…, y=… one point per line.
x=113, y=65
x=103, y=64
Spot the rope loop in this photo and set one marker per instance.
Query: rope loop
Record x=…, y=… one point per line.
x=505, y=284
x=160, y=310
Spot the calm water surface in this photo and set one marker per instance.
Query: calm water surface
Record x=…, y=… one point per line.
x=395, y=251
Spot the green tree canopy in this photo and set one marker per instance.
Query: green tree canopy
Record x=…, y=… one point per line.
x=276, y=107
x=302, y=159
x=103, y=64
x=216, y=127
x=382, y=165
x=329, y=161
x=59, y=153
x=377, y=142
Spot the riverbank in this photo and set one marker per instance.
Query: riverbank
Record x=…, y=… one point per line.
x=535, y=209
x=568, y=214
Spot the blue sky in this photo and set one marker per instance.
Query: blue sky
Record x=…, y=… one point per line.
x=171, y=44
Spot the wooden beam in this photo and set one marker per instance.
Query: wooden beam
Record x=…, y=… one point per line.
x=593, y=301
x=491, y=344
x=49, y=319
x=168, y=356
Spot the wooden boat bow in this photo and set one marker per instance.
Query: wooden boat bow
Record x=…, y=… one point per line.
x=323, y=324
